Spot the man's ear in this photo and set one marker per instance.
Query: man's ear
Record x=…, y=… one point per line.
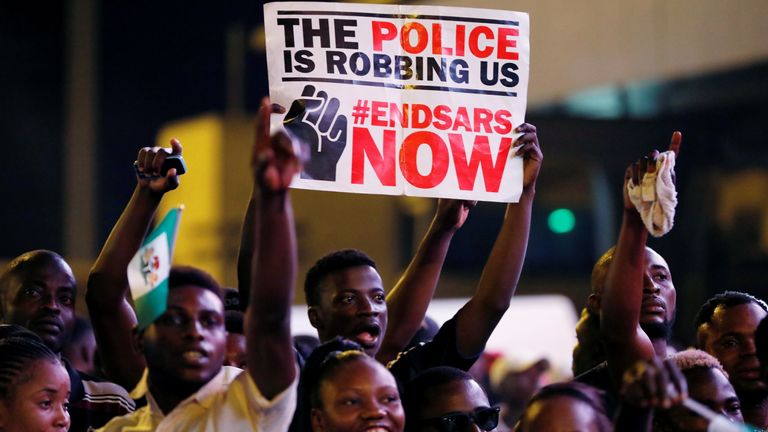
x=314, y=317
x=593, y=303
x=137, y=340
x=317, y=420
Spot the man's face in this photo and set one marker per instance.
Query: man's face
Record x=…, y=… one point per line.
x=659, y=296
x=710, y=387
x=731, y=338
x=188, y=342
x=42, y=299
x=450, y=400
x=352, y=305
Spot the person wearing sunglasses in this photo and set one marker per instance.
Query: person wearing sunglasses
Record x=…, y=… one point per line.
x=445, y=399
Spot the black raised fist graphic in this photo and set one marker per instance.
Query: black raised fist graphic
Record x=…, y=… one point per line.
x=314, y=119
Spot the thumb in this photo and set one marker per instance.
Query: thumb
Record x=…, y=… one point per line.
x=175, y=146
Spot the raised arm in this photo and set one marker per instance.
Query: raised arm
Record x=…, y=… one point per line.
x=270, y=354
x=478, y=318
x=408, y=301
x=107, y=294
x=621, y=305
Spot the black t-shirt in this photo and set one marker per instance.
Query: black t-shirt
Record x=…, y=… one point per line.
x=442, y=350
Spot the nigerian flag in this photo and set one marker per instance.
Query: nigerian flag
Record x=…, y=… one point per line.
x=149, y=269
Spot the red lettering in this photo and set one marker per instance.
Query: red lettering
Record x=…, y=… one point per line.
x=442, y=118
x=460, y=39
x=378, y=113
x=437, y=41
x=483, y=117
x=382, y=30
x=408, y=156
x=462, y=120
x=421, y=116
x=394, y=113
x=474, y=41
x=383, y=162
x=503, y=122
x=506, y=43
x=422, y=38
x=466, y=173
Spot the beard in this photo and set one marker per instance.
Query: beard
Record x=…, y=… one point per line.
x=658, y=330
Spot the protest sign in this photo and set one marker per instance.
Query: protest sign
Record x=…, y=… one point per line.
x=414, y=100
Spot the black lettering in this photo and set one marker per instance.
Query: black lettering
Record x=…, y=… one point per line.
x=304, y=61
x=288, y=25
x=382, y=63
x=459, y=71
x=484, y=73
x=403, y=70
x=357, y=68
x=336, y=59
x=510, y=76
x=311, y=33
x=341, y=33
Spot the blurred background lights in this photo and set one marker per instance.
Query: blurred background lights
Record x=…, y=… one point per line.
x=561, y=221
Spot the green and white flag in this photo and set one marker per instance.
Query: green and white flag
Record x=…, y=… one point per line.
x=148, y=270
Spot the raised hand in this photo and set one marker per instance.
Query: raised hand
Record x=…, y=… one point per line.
x=654, y=384
x=315, y=120
x=274, y=161
x=527, y=146
x=452, y=213
x=647, y=164
x=148, y=166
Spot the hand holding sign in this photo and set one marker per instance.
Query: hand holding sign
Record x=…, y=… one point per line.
x=315, y=120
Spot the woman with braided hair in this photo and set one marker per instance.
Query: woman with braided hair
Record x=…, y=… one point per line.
x=34, y=386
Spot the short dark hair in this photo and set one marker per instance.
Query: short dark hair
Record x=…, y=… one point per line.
x=725, y=299
x=417, y=390
x=592, y=396
x=188, y=275
x=20, y=265
x=331, y=263
x=233, y=321
x=19, y=350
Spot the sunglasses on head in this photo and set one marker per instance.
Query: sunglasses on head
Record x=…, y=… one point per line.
x=485, y=418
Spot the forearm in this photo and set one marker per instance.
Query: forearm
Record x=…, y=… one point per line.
x=268, y=334
x=408, y=301
x=248, y=239
x=106, y=296
x=623, y=293
x=500, y=277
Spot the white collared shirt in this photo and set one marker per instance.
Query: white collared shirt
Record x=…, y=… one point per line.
x=229, y=402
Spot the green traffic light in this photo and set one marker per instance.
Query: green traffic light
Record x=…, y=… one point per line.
x=561, y=221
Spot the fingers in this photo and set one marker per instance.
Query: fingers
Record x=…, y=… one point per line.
x=674, y=143
x=329, y=115
x=677, y=382
x=316, y=109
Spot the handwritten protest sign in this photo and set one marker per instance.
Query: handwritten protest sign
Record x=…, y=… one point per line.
x=413, y=100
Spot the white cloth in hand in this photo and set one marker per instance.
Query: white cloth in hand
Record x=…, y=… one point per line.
x=655, y=198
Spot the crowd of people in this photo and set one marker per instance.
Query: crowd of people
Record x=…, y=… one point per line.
x=221, y=360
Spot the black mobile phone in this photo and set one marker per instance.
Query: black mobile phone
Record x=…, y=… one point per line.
x=171, y=161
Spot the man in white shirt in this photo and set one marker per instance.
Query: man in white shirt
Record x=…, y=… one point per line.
x=183, y=350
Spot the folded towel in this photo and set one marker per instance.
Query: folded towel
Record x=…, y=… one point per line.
x=655, y=198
